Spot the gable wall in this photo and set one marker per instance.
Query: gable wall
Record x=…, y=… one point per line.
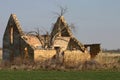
x=11, y=39
x=11, y=47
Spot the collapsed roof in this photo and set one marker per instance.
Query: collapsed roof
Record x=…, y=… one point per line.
x=60, y=29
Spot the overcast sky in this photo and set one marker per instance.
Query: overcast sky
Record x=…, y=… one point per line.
x=96, y=21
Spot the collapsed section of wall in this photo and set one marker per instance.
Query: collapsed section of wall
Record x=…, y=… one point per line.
x=74, y=56
x=42, y=55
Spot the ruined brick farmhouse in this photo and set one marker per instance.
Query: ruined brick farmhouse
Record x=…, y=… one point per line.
x=33, y=46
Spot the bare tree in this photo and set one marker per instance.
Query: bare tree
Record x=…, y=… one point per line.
x=37, y=34
x=72, y=27
x=63, y=10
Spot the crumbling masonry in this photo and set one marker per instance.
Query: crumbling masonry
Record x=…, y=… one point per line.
x=35, y=47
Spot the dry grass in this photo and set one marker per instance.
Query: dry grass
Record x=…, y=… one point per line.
x=109, y=60
x=70, y=60
x=75, y=58
x=106, y=58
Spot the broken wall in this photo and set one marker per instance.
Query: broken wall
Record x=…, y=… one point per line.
x=42, y=55
x=27, y=52
x=76, y=55
x=94, y=49
x=11, y=39
x=61, y=42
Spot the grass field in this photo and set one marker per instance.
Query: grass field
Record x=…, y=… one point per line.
x=59, y=75
x=11, y=74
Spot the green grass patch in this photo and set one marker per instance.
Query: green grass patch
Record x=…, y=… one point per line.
x=59, y=75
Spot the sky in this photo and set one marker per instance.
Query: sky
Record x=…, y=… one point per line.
x=96, y=21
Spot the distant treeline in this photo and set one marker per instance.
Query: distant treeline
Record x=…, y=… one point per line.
x=0, y=48
x=111, y=51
